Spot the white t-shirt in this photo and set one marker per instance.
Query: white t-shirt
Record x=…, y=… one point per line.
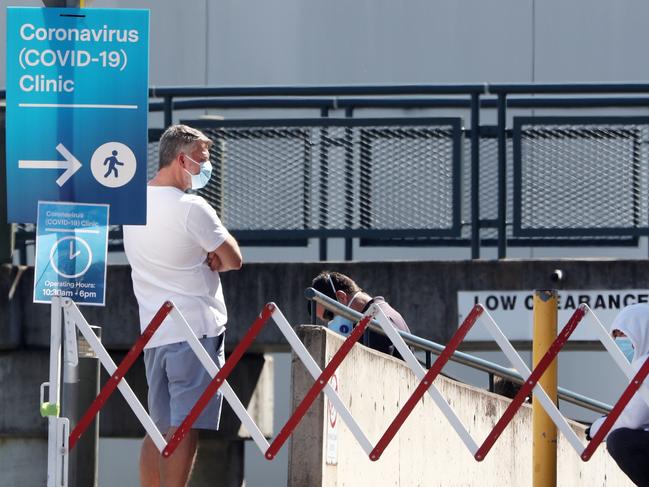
x=168, y=262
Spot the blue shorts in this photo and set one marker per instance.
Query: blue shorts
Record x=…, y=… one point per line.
x=176, y=381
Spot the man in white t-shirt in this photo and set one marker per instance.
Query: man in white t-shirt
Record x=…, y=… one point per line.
x=177, y=256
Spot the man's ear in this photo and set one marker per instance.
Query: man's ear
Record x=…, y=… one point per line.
x=181, y=160
x=341, y=297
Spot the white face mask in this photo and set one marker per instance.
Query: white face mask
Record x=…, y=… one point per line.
x=342, y=325
x=625, y=345
x=203, y=177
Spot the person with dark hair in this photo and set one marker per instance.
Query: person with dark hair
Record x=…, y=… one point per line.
x=628, y=440
x=344, y=289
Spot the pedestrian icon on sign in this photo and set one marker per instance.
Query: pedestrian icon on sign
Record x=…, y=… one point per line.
x=112, y=164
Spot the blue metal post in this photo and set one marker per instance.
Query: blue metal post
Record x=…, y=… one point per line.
x=502, y=175
x=475, y=176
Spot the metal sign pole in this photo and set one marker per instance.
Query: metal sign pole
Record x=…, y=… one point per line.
x=65, y=3
x=79, y=389
x=70, y=387
x=88, y=451
x=56, y=444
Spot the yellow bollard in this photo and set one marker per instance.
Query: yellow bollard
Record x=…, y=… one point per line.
x=544, y=432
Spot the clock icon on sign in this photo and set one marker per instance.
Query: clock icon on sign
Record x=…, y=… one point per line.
x=69, y=254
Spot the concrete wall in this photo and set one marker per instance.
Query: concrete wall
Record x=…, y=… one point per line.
x=426, y=451
x=421, y=41
x=424, y=292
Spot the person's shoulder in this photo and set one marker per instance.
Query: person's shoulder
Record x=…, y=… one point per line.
x=195, y=200
x=163, y=192
x=198, y=209
x=394, y=315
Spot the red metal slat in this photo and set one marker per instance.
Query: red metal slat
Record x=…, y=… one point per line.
x=316, y=388
x=123, y=368
x=426, y=382
x=532, y=380
x=626, y=396
x=218, y=380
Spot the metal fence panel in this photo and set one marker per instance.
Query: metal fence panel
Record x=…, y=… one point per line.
x=345, y=177
x=580, y=176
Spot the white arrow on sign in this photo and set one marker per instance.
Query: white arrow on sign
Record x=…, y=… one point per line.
x=71, y=165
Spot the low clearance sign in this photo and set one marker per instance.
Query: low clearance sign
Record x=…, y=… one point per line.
x=512, y=310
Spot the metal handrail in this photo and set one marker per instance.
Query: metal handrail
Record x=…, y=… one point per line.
x=459, y=357
x=312, y=90
x=334, y=102
x=406, y=89
x=567, y=88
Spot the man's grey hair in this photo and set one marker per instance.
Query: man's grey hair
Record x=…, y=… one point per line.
x=179, y=138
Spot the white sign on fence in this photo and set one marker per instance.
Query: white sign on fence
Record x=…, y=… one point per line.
x=512, y=310
x=332, y=431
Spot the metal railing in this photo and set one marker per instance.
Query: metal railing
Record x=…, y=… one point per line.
x=499, y=185
x=430, y=348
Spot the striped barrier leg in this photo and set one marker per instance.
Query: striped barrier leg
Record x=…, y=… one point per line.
x=317, y=387
x=420, y=372
x=548, y=404
x=219, y=379
x=427, y=381
x=530, y=383
x=314, y=371
x=229, y=394
x=117, y=376
x=608, y=423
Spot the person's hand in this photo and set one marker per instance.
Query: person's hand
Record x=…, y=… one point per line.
x=214, y=262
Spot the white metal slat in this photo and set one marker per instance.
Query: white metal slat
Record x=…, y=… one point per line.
x=547, y=404
x=212, y=369
x=314, y=371
x=420, y=372
x=105, y=359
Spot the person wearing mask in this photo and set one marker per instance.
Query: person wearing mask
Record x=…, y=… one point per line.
x=178, y=256
x=628, y=440
x=343, y=289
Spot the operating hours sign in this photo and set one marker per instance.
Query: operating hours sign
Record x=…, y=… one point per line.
x=71, y=250
x=77, y=107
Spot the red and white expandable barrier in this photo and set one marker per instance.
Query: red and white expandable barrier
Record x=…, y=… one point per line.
x=219, y=381
x=117, y=374
x=269, y=451
x=60, y=440
x=530, y=385
x=322, y=380
x=59, y=445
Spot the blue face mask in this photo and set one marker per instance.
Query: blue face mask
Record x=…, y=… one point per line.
x=203, y=177
x=624, y=344
x=341, y=325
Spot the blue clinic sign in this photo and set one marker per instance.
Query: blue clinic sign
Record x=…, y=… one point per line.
x=71, y=249
x=77, y=103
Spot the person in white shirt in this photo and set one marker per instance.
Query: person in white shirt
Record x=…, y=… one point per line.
x=178, y=256
x=628, y=440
